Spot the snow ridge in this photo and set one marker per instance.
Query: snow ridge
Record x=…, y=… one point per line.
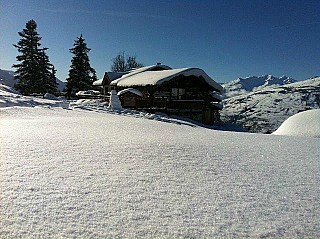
x=253, y=83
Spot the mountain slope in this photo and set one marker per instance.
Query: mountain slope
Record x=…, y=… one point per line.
x=7, y=78
x=264, y=110
x=253, y=83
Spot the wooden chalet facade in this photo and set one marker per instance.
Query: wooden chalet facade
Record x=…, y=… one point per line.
x=187, y=92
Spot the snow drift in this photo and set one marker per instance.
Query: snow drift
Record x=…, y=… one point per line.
x=305, y=123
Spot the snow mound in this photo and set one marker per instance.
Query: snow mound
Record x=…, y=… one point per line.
x=305, y=124
x=12, y=98
x=87, y=93
x=50, y=96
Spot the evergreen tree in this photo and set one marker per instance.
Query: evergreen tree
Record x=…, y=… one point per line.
x=122, y=64
x=52, y=85
x=81, y=74
x=34, y=67
x=47, y=81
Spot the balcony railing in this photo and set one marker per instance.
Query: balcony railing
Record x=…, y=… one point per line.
x=170, y=104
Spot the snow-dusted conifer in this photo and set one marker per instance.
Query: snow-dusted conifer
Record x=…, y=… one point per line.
x=81, y=74
x=52, y=83
x=47, y=72
x=33, y=71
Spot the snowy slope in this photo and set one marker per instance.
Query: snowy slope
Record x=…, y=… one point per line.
x=264, y=110
x=253, y=83
x=9, y=98
x=7, y=78
x=81, y=174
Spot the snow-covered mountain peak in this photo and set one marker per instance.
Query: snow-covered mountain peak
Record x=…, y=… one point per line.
x=252, y=83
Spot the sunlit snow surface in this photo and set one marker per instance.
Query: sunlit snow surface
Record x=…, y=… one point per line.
x=76, y=173
x=306, y=124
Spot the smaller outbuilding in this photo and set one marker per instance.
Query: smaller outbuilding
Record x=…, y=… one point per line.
x=129, y=97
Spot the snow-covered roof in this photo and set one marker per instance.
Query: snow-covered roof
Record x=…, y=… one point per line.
x=144, y=77
x=98, y=82
x=134, y=91
x=112, y=76
x=146, y=68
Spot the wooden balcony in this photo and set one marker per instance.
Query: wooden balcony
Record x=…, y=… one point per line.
x=170, y=105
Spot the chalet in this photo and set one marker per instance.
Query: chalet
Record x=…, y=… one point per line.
x=186, y=92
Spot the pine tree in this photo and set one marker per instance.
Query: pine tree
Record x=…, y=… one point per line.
x=27, y=70
x=47, y=81
x=52, y=85
x=81, y=74
x=33, y=71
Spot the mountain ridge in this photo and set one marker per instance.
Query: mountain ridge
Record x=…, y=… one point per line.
x=7, y=78
x=253, y=83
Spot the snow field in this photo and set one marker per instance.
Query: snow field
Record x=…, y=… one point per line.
x=75, y=173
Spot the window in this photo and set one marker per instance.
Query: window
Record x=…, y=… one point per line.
x=178, y=93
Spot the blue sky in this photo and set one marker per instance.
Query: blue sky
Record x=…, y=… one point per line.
x=226, y=38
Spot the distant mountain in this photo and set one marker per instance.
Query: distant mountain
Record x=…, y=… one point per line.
x=61, y=84
x=7, y=78
x=264, y=110
x=253, y=83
